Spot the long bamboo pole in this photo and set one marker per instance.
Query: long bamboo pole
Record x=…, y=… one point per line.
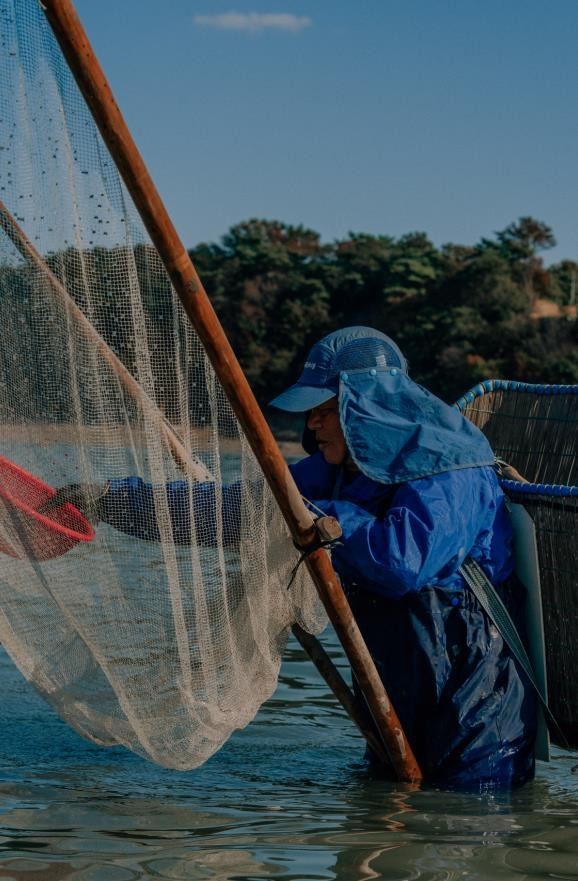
x=342, y=691
x=97, y=93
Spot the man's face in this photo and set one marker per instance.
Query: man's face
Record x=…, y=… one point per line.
x=324, y=422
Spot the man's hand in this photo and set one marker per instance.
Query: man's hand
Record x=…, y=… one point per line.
x=86, y=497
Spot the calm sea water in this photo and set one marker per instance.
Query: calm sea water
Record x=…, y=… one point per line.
x=288, y=797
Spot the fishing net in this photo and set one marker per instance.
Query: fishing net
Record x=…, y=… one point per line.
x=535, y=429
x=164, y=645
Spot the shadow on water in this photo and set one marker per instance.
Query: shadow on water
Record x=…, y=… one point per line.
x=288, y=797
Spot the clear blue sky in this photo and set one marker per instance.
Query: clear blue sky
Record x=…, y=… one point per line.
x=454, y=117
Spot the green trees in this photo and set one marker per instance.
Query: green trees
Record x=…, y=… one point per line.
x=564, y=276
x=460, y=313
x=268, y=282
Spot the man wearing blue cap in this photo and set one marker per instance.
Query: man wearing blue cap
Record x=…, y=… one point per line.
x=412, y=483
x=413, y=486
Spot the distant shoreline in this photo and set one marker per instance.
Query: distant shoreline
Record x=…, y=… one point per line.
x=46, y=434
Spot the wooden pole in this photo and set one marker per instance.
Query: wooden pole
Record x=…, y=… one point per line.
x=97, y=93
x=342, y=691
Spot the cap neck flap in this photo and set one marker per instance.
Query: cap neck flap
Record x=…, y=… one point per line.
x=398, y=431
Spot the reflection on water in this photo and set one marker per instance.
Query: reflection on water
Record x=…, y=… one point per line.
x=288, y=797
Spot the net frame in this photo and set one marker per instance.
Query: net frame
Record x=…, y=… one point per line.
x=88, y=375
x=392, y=742
x=92, y=83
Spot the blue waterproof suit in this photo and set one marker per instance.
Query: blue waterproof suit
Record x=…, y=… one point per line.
x=464, y=704
x=425, y=497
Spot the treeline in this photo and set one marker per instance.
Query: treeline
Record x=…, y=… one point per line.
x=459, y=313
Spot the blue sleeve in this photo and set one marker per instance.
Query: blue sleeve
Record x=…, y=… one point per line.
x=129, y=506
x=424, y=536
x=314, y=477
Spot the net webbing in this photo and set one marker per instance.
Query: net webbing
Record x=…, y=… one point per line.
x=534, y=428
x=162, y=646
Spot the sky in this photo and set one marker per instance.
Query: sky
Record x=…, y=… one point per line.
x=451, y=117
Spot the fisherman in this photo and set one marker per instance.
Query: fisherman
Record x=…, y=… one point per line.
x=413, y=486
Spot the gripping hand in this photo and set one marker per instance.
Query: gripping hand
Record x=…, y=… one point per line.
x=86, y=497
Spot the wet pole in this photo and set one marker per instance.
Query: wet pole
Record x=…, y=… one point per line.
x=97, y=94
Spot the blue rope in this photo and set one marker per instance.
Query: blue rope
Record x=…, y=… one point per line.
x=554, y=490
x=512, y=385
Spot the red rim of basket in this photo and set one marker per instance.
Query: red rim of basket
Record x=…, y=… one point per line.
x=53, y=525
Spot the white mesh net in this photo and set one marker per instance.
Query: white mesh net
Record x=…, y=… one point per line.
x=166, y=645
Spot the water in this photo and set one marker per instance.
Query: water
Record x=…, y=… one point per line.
x=286, y=798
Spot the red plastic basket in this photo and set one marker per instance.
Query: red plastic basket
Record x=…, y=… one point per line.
x=41, y=536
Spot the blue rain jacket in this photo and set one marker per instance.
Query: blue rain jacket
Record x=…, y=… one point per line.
x=466, y=707
x=425, y=497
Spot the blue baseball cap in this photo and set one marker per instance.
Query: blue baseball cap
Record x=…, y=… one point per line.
x=349, y=349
